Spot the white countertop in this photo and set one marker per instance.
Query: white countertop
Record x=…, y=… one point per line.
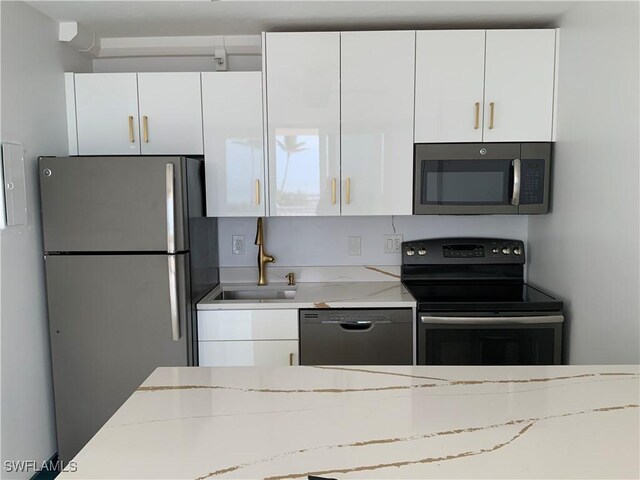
x=321, y=295
x=373, y=422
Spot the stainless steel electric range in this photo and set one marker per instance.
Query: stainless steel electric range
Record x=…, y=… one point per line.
x=474, y=307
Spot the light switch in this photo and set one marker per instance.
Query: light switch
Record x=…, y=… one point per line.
x=355, y=246
x=13, y=204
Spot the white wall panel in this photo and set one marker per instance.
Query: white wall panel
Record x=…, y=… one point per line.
x=587, y=249
x=33, y=113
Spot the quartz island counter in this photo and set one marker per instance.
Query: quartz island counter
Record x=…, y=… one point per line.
x=419, y=422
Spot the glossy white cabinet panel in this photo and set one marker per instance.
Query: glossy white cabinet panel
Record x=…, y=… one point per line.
x=107, y=114
x=303, y=122
x=519, y=83
x=248, y=325
x=170, y=107
x=267, y=353
x=233, y=144
x=449, y=86
x=377, y=92
x=72, y=123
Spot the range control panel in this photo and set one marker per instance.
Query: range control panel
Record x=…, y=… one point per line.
x=444, y=251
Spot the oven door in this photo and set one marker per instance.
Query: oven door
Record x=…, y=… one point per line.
x=466, y=178
x=524, y=340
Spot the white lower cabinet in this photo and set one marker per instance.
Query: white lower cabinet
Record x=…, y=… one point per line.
x=248, y=338
x=267, y=353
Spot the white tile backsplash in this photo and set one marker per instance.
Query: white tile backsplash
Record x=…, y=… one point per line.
x=324, y=241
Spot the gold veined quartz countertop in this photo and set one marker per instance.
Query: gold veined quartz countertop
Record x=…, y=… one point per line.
x=320, y=295
x=373, y=422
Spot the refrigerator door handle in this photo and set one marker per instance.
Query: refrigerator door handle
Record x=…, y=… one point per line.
x=171, y=204
x=173, y=298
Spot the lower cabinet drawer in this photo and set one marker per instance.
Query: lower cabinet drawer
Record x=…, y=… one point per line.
x=248, y=353
x=247, y=325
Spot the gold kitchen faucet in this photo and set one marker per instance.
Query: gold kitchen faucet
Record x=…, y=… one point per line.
x=263, y=258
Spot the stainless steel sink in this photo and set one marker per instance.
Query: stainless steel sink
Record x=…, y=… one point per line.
x=268, y=292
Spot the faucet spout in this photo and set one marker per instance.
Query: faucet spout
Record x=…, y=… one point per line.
x=259, y=233
x=263, y=257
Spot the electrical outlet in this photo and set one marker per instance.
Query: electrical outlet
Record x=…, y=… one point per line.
x=355, y=246
x=392, y=243
x=237, y=244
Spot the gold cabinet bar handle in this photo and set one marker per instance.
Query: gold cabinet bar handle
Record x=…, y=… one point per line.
x=477, y=117
x=145, y=129
x=348, y=194
x=257, y=192
x=291, y=359
x=492, y=107
x=131, y=138
x=333, y=191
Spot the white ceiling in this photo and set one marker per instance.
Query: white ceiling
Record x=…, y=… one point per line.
x=237, y=17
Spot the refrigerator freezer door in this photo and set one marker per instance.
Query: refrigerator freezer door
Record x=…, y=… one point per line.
x=107, y=204
x=111, y=326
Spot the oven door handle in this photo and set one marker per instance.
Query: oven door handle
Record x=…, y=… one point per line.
x=491, y=320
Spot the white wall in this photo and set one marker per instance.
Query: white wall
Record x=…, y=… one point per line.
x=586, y=251
x=33, y=113
x=322, y=241
x=235, y=63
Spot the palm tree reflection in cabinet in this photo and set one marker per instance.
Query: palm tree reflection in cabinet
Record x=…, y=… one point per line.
x=291, y=146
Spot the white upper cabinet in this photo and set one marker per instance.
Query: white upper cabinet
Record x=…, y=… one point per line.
x=449, y=86
x=303, y=122
x=377, y=75
x=519, y=84
x=170, y=106
x=107, y=114
x=515, y=70
x=233, y=151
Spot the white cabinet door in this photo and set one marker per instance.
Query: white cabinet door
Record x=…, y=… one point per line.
x=449, y=86
x=248, y=325
x=233, y=153
x=519, y=83
x=107, y=113
x=303, y=122
x=377, y=75
x=170, y=107
x=268, y=353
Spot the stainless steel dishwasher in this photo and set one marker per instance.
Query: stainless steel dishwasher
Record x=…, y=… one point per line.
x=356, y=337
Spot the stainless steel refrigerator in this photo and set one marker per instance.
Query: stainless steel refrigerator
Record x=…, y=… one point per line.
x=128, y=253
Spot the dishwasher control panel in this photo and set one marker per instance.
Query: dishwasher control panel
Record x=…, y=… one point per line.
x=354, y=317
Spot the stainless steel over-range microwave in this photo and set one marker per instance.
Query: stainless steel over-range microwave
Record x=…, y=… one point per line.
x=481, y=178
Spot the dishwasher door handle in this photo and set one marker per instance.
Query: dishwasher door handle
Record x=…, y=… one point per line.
x=353, y=322
x=356, y=326
x=353, y=325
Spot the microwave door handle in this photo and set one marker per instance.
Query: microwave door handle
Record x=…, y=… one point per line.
x=515, y=198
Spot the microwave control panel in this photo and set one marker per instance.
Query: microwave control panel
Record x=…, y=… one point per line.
x=532, y=182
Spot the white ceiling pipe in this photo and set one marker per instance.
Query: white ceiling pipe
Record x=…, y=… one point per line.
x=79, y=38
x=185, y=45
